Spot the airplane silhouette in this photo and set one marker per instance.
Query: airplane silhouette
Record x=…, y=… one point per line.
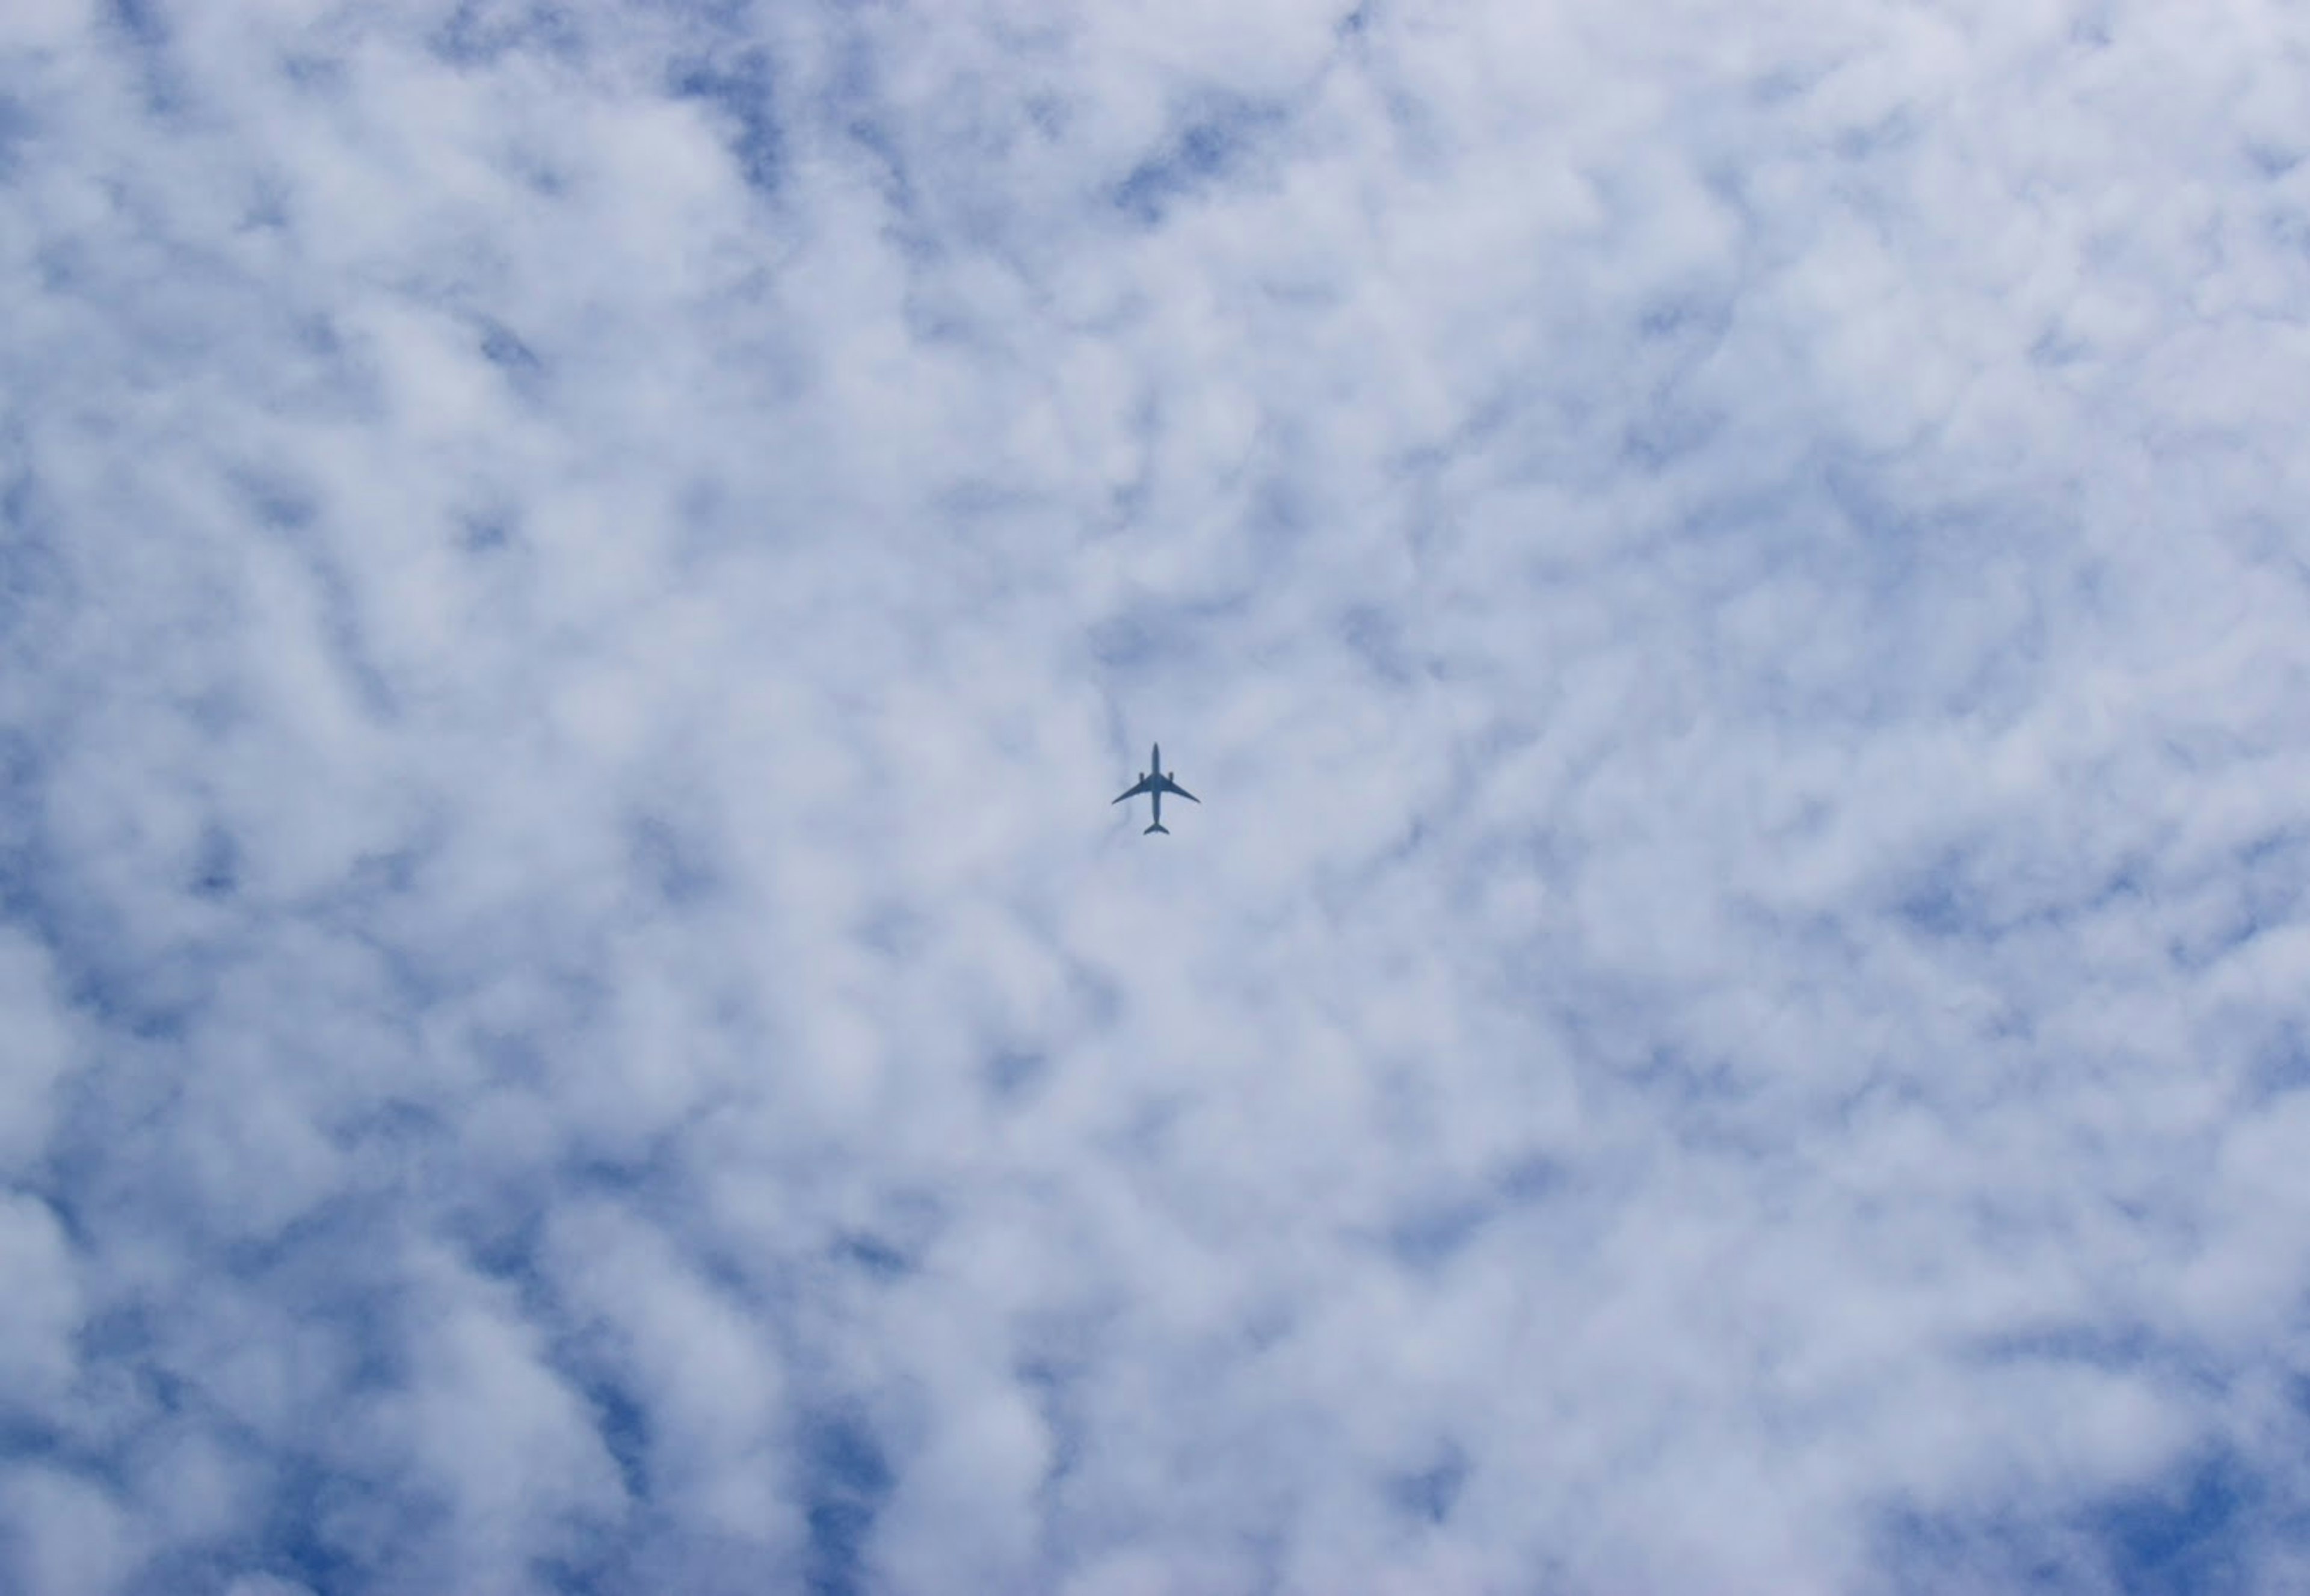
x=1155, y=783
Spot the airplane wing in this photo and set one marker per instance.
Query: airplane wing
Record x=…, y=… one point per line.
x=1171, y=786
x=1145, y=785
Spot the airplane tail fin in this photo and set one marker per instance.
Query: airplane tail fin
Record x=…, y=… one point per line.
x=1166, y=831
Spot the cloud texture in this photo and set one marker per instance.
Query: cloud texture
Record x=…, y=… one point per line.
x=575, y=581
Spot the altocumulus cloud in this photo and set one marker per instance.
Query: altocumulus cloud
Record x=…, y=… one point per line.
x=576, y=580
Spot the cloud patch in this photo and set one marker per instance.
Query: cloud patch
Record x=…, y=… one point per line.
x=574, y=584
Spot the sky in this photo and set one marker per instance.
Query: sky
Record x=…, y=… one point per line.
x=576, y=581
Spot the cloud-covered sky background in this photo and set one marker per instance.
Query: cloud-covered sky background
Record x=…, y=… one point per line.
x=576, y=581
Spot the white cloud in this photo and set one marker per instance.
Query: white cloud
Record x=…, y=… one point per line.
x=577, y=579
x=65, y=1536
x=39, y=1050
x=36, y=1348
x=509, y=1444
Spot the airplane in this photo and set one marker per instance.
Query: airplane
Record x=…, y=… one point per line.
x=1155, y=783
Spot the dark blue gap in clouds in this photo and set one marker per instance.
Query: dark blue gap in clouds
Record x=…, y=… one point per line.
x=1210, y=147
x=1376, y=637
x=1167, y=632
x=479, y=33
x=336, y=380
x=216, y=864
x=672, y=863
x=1938, y=904
x=333, y=1529
x=318, y=1516
x=142, y=26
x=327, y=1268
x=32, y=568
x=1964, y=893
x=1677, y=331
x=1691, y=321
x=1427, y=1235
x=1054, y=1380
x=503, y=1240
x=851, y=99
x=148, y=1000
x=845, y=1480
x=485, y=531
x=2118, y=1345
x=25, y=1436
x=22, y=857
x=1969, y=895
x=2282, y=1063
x=1948, y=1554
x=513, y=358
x=16, y=124
x=2272, y=882
x=1667, y=430
x=293, y=511
x=2193, y=1533
x=623, y=1424
x=140, y=21
x=1013, y=1073
x=896, y=930
x=500, y=1229
x=2270, y=160
x=1431, y=1493
x=873, y=1256
x=740, y=87
x=1432, y=1235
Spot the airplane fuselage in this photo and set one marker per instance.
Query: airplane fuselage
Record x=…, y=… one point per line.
x=1156, y=782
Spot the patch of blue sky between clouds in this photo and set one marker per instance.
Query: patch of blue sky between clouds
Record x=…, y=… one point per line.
x=575, y=580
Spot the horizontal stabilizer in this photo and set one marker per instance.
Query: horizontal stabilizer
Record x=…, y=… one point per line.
x=1166, y=831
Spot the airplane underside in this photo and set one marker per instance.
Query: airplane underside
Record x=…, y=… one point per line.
x=1156, y=782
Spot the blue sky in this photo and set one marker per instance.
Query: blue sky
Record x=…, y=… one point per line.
x=576, y=580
